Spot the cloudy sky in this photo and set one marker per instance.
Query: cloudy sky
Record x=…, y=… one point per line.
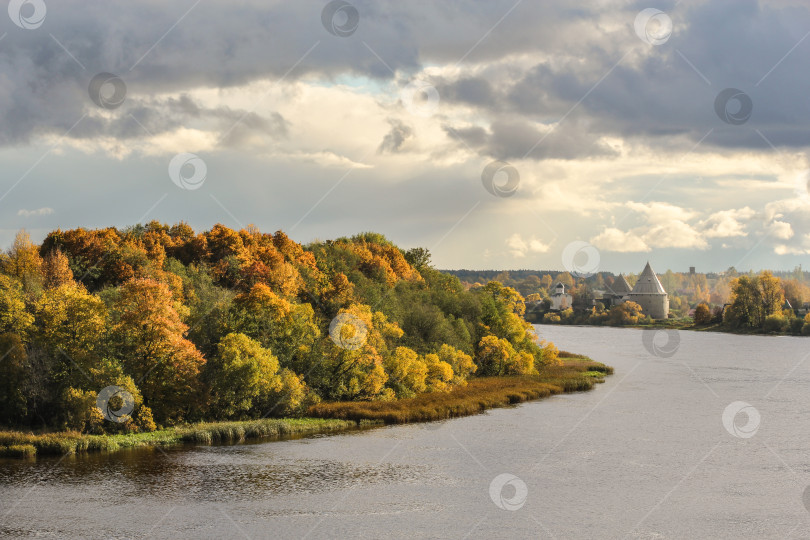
x=498, y=134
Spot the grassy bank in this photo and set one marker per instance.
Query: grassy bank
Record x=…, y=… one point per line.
x=578, y=373
x=20, y=445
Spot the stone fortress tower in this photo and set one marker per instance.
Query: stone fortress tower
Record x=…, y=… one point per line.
x=650, y=295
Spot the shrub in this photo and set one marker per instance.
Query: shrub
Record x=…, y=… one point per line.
x=551, y=318
x=774, y=324
x=806, y=325
x=702, y=314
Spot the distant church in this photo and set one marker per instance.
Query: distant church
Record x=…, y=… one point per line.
x=560, y=299
x=647, y=293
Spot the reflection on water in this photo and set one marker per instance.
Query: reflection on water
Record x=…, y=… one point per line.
x=645, y=455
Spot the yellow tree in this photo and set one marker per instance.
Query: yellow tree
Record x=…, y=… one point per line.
x=149, y=340
x=407, y=372
x=56, y=270
x=771, y=294
x=13, y=316
x=493, y=355
x=24, y=262
x=461, y=363
x=702, y=314
x=439, y=374
x=72, y=324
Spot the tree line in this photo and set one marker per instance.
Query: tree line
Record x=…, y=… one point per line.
x=237, y=324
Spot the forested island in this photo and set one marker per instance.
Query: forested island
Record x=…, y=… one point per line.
x=121, y=337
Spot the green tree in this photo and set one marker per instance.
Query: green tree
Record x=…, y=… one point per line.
x=242, y=376
x=13, y=367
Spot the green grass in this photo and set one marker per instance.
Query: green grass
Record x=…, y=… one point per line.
x=578, y=373
x=18, y=444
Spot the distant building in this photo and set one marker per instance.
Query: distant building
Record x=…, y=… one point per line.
x=692, y=270
x=560, y=299
x=616, y=293
x=650, y=295
x=647, y=293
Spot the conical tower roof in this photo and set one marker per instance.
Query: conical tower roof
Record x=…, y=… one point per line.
x=620, y=286
x=648, y=283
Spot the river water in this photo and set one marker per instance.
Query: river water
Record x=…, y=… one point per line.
x=645, y=455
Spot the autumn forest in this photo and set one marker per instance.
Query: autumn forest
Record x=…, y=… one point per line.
x=234, y=325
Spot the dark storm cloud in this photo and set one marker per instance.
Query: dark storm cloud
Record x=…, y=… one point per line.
x=653, y=94
x=519, y=140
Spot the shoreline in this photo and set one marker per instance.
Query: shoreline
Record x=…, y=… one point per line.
x=576, y=374
x=713, y=328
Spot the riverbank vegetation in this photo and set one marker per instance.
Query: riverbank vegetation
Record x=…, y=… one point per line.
x=16, y=444
x=576, y=373
x=126, y=331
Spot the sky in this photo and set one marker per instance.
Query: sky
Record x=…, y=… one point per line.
x=559, y=135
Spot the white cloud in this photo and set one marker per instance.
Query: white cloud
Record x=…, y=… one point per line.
x=727, y=223
x=675, y=234
x=781, y=230
x=519, y=247
x=661, y=212
x=612, y=239
x=38, y=212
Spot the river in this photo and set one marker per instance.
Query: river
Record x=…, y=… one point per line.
x=645, y=455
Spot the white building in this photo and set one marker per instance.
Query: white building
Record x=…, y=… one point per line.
x=560, y=299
